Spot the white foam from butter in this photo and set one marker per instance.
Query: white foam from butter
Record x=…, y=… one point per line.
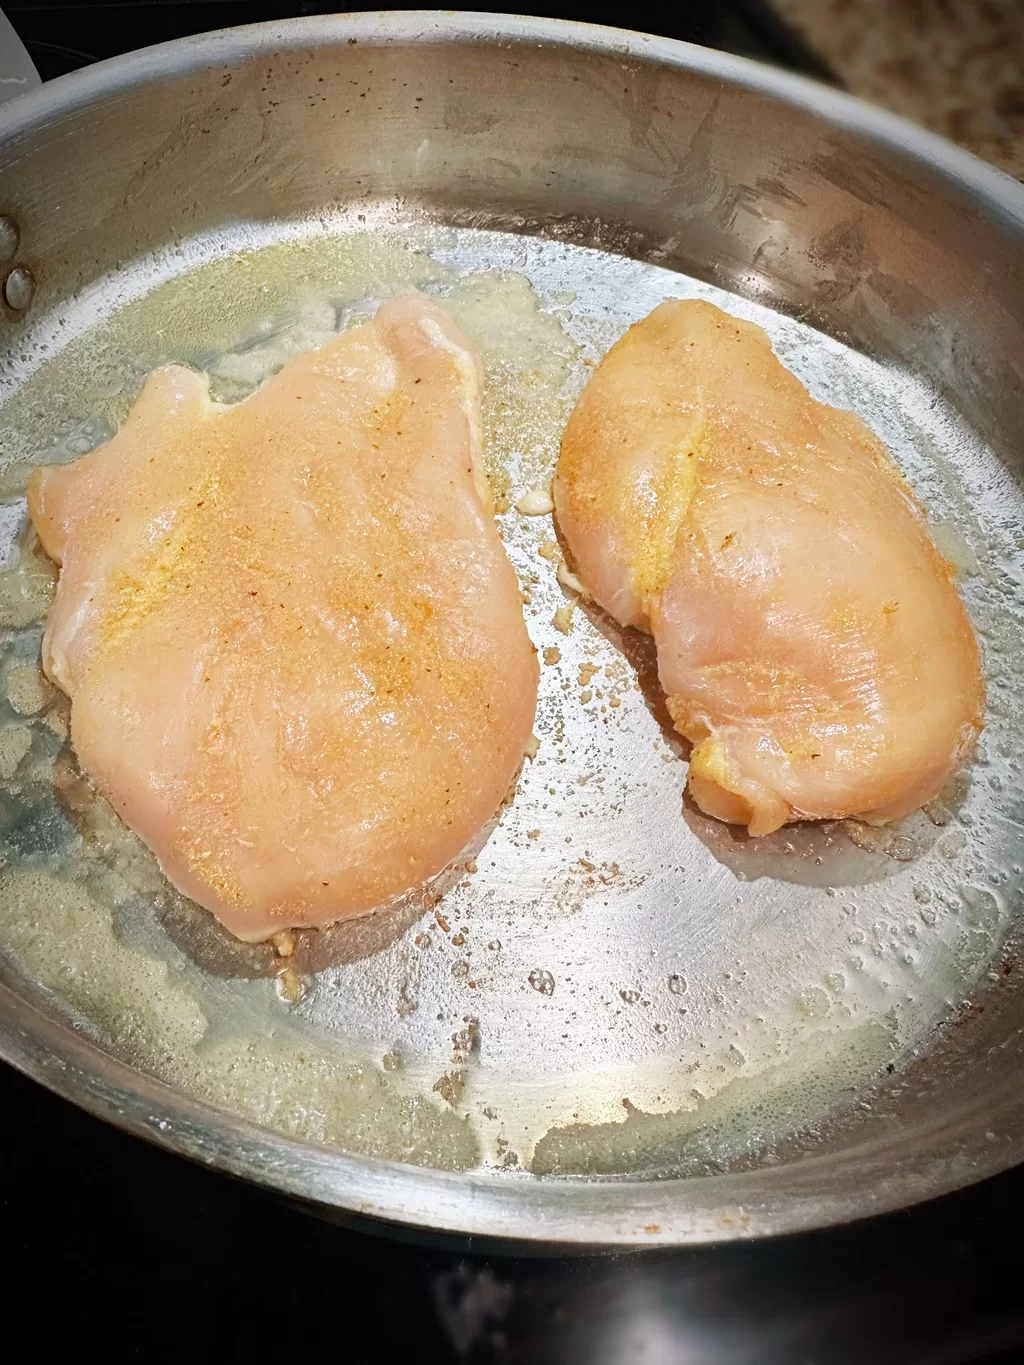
x=363, y=1062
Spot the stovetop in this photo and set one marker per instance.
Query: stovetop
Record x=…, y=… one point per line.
x=62, y=35
x=116, y=1247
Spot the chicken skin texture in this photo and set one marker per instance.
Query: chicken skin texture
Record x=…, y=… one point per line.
x=811, y=642
x=293, y=642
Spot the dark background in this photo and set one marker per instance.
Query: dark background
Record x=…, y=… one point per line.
x=121, y=1251
x=62, y=35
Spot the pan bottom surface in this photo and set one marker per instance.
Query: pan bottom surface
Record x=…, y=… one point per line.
x=608, y=983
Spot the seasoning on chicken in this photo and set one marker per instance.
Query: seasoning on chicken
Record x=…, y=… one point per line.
x=811, y=641
x=293, y=642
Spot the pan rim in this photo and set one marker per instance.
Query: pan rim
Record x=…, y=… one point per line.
x=385, y=28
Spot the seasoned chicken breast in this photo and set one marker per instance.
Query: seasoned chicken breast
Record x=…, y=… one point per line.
x=293, y=642
x=811, y=641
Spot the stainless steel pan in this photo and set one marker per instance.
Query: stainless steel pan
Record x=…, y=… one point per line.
x=614, y=1021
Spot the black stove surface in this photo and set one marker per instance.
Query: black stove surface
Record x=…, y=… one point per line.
x=62, y=35
x=120, y=1249
x=116, y=1245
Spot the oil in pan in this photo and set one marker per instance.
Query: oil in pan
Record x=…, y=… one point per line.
x=608, y=981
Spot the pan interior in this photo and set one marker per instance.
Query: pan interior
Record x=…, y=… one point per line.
x=608, y=982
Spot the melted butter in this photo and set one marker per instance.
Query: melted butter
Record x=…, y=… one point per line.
x=28, y=691
x=75, y=916
x=26, y=588
x=562, y=1067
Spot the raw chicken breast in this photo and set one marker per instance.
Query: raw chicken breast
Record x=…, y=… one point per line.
x=293, y=643
x=810, y=639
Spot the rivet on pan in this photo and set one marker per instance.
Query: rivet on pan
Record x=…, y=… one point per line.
x=18, y=288
x=9, y=237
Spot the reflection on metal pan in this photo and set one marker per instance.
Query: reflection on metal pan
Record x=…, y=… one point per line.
x=613, y=1020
